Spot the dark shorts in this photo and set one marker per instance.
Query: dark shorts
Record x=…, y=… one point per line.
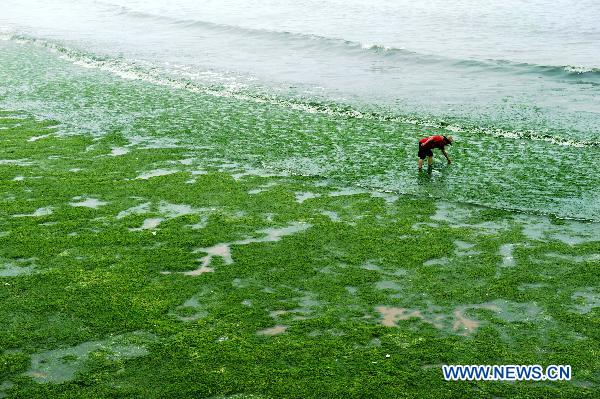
x=423, y=153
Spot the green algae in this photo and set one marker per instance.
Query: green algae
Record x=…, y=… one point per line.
x=293, y=306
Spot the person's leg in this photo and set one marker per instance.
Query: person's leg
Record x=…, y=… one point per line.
x=420, y=163
x=429, y=161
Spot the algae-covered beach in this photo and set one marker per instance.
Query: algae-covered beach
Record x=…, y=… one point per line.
x=166, y=237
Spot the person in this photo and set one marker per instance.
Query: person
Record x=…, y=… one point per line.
x=429, y=143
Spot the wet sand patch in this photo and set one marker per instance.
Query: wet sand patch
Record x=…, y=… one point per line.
x=278, y=329
x=391, y=315
x=463, y=325
x=458, y=321
x=222, y=250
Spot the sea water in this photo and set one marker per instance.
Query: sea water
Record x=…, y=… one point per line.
x=338, y=89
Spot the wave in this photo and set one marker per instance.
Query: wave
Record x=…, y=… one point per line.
x=575, y=72
x=147, y=72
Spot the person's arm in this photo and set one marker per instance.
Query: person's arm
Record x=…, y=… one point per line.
x=446, y=155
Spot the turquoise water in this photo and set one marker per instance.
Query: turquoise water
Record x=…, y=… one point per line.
x=334, y=89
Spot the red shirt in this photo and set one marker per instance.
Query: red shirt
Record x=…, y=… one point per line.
x=429, y=143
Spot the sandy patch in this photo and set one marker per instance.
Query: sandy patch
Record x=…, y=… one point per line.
x=279, y=329
x=392, y=315
x=458, y=321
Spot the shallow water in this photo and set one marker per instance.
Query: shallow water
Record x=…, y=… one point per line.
x=375, y=154
x=87, y=202
x=60, y=365
x=272, y=91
